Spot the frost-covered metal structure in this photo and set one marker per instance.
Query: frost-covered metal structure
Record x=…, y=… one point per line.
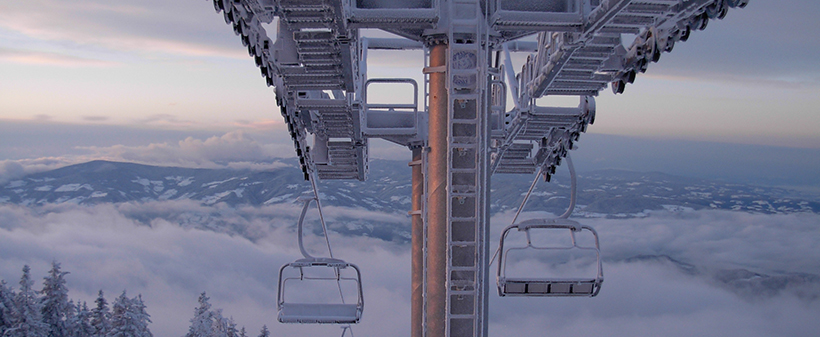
x=464, y=130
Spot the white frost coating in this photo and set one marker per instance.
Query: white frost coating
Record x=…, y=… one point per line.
x=4, y=200
x=45, y=188
x=73, y=188
x=98, y=194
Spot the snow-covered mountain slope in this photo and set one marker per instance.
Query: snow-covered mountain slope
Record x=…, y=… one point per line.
x=609, y=193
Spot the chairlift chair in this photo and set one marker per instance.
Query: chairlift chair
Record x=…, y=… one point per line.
x=548, y=286
x=319, y=313
x=527, y=286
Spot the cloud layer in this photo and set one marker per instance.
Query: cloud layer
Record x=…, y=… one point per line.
x=105, y=248
x=235, y=149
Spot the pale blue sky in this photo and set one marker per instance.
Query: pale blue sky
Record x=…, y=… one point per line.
x=155, y=64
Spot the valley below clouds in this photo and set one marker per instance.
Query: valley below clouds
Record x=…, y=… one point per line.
x=672, y=273
x=682, y=256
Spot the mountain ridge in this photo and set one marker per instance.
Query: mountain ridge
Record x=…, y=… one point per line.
x=604, y=193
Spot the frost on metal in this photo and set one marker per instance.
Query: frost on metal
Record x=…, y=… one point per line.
x=316, y=62
x=465, y=127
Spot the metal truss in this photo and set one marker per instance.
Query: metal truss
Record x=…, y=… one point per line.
x=317, y=60
x=467, y=130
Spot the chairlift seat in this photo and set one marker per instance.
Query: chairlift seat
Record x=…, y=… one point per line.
x=319, y=313
x=548, y=287
x=320, y=262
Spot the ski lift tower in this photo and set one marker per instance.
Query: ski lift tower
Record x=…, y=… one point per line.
x=463, y=132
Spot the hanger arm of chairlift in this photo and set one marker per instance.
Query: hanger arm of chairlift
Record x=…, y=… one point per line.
x=572, y=197
x=300, y=229
x=573, y=188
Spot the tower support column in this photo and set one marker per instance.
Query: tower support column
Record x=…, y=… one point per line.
x=437, y=217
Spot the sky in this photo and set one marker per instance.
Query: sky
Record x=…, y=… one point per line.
x=750, y=78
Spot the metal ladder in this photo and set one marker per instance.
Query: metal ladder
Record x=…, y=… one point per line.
x=468, y=170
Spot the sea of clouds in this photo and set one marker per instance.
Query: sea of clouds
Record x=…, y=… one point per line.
x=170, y=262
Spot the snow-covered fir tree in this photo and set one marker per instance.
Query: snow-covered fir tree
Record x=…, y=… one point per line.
x=26, y=321
x=121, y=324
x=100, y=316
x=81, y=322
x=202, y=323
x=7, y=309
x=70, y=318
x=128, y=318
x=265, y=332
x=220, y=325
x=54, y=306
x=210, y=323
x=141, y=316
x=226, y=326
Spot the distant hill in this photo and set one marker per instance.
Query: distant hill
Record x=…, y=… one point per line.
x=609, y=193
